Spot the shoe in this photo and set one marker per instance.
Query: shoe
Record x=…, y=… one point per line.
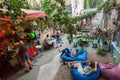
x=30, y=68
x=38, y=56
x=70, y=65
x=27, y=71
x=63, y=62
x=60, y=45
x=59, y=50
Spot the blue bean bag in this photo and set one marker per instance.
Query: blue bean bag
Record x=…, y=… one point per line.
x=78, y=76
x=80, y=57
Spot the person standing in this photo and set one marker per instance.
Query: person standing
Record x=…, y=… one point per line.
x=38, y=46
x=24, y=56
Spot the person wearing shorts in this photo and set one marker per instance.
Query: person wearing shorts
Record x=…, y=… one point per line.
x=22, y=51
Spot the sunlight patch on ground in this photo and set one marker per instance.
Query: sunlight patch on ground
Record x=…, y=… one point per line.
x=48, y=71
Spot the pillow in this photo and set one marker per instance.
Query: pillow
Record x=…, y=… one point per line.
x=80, y=49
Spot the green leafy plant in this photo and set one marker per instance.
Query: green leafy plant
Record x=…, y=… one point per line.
x=83, y=43
x=118, y=27
x=18, y=24
x=101, y=50
x=88, y=15
x=92, y=3
x=118, y=8
x=58, y=16
x=108, y=6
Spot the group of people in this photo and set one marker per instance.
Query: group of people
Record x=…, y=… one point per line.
x=96, y=31
x=52, y=41
x=23, y=56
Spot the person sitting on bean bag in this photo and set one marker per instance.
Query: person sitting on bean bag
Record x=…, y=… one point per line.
x=58, y=38
x=85, y=70
x=48, y=43
x=69, y=53
x=90, y=68
x=78, y=55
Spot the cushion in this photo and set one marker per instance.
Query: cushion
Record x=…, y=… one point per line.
x=75, y=41
x=110, y=71
x=78, y=76
x=95, y=41
x=80, y=49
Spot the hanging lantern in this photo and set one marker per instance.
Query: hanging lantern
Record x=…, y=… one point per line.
x=32, y=35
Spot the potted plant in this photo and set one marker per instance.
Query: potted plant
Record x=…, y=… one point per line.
x=118, y=27
x=101, y=50
x=104, y=42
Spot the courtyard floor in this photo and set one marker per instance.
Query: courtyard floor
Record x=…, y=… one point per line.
x=49, y=67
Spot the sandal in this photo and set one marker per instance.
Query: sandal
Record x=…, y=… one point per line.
x=64, y=63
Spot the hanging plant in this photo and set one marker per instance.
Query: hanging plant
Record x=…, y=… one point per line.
x=88, y=15
x=118, y=27
x=118, y=8
x=101, y=51
x=13, y=11
x=108, y=6
x=57, y=14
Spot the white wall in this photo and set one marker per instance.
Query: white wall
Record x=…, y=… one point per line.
x=118, y=1
x=77, y=6
x=1, y=1
x=67, y=2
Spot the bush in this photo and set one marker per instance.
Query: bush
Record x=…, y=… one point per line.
x=101, y=50
x=105, y=42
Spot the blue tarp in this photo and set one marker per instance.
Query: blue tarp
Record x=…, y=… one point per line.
x=77, y=76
